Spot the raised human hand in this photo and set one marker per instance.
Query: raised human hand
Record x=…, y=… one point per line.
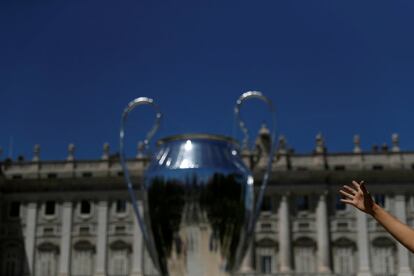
x=358, y=196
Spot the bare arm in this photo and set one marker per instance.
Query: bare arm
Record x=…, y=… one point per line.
x=359, y=197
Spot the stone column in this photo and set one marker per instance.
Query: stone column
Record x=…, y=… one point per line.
x=403, y=255
x=323, y=235
x=30, y=235
x=100, y=268
x=65, y=240
x=284, y=235
x=137, y=247
x=363, y=244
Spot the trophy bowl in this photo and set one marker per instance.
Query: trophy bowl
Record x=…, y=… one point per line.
x=198, y=200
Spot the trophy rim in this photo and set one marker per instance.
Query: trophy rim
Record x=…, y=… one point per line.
x=197, y=136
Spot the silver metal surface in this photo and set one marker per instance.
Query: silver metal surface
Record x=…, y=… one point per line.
x=131, y=106
x=246, y=96
x=198, y=209
x=196, y=136
x=131, y=189
x=198, y=206
x=243, y=98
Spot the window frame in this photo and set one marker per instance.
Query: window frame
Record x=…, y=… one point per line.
x=44, y=208
x=9, y=208
x=85, y=215
x=115, y=208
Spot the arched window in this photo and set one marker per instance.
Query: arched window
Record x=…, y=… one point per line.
x=305, y=255
x=119, y=258
x=83, y=259
x=384, y=256
x=11, y=260
x=344, y=256
x=47, y=259
x=266, y=256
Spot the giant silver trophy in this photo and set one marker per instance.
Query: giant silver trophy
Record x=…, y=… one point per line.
x=198, y=198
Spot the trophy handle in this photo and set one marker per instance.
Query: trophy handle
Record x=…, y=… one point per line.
x=258, y=95
x=131, y=106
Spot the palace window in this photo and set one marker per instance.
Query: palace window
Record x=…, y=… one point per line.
x=120, y=206
x=267, y=204
x=339, y=205
x=384, y=256
x=344, y=259
x=11, y=261
x=83, y=259
x=87, y=174
x=50, y=208
x=85, y=207
x=377, y=167
x=266, y=256
x=305, y=255
x=380, y=199
x=51, y=175
x=339, y=168
x=266, y=264
x=344, y=263
x=47, y=259
x=119, y=258
x=14, y=209
x=302, y=203
x=82, y=263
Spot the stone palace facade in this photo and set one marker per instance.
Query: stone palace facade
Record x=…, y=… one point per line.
x=73, y=217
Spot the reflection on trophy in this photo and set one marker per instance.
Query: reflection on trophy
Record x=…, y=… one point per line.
x=198, y=199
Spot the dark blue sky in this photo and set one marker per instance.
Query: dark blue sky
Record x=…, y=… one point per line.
x=68, y=68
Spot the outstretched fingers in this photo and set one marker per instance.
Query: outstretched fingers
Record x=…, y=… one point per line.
x=356, y=185
x=350, y=189
x=346, y=194
x=347, y=201
x=363, y=188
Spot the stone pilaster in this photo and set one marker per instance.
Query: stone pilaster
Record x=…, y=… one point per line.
x=100, y=268
x=323, y=235
x=403, y=254
x=30, y=235
x=65, y=240
x=363, y=244
x=284, y=236
x=137, y=257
